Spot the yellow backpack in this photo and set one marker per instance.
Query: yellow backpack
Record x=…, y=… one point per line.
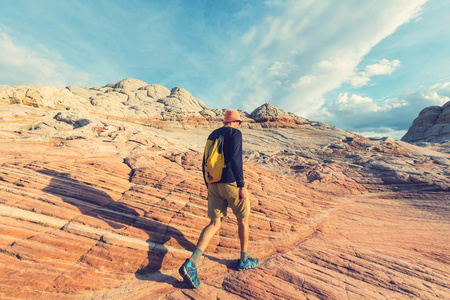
x=214, y=160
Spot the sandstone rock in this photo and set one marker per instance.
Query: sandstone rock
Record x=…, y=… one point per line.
x=134, y=100
x=182, y=100
x=82, y=92
x=156, y=91
x=105, y=228
x=268, y=112
x=209, y=114
x=129, y=84
x=111, y=103
x=111, y=209
x=444, y=117
x=432, y=125
x=78, y=117
x=40, y=96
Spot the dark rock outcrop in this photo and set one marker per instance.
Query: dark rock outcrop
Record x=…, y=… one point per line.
x=432, y=125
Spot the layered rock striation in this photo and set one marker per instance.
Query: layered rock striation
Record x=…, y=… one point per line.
x=432, y=125
x=95, y=203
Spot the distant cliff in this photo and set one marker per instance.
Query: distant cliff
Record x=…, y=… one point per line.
x=432, y=125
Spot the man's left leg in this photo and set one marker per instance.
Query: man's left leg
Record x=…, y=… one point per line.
x=245, y=262
x=243, y=231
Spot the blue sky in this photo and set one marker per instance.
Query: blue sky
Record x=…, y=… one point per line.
x=364, y=66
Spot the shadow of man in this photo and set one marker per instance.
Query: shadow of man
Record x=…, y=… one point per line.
x=118, y=215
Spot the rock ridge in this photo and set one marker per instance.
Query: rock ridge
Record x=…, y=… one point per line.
x=133, y=100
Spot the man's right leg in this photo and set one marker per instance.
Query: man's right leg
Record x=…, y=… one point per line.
x=205, y=237
x=189, y=269
x=217, y=209
x=208, y=232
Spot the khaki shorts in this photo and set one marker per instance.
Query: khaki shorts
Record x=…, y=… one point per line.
x=222, y=195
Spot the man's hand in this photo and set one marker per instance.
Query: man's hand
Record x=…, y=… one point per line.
x=242, y=193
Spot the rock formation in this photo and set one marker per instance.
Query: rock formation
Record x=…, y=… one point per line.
x=138, y=102
x=432, y=125
x=101, y=196
x=268, y=112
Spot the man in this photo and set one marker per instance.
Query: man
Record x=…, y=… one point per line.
x=229, y=191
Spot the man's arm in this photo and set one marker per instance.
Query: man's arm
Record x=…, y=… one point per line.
x=242, y=193
x=203, y=171
x=237, y=164
x=236, y=158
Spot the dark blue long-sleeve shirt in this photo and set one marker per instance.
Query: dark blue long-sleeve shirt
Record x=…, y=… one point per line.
x=232, y=151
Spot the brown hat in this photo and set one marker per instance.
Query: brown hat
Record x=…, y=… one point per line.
x=232, y=115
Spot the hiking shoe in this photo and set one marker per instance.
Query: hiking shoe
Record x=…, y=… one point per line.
x=250, y=263
x=189, y=274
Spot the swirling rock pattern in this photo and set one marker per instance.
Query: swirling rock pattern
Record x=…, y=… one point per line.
x=112, y=208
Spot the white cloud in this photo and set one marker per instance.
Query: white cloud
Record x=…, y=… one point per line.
x=369, y=117
x=306, y=80
x=281, y=69
x=19, y=64
x=438, y=94
x=309, y=48
x=356, y=103
x=383, y=67
x=359, y=81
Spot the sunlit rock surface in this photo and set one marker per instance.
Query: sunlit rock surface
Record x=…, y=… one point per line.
x=107, y=204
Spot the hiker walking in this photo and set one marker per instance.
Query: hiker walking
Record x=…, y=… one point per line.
x=223, y=191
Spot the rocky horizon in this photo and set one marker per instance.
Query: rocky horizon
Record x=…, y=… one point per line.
x=101, y=196
x=136, y=101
